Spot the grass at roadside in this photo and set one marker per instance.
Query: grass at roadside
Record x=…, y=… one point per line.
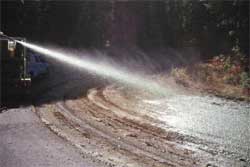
x=224, y=76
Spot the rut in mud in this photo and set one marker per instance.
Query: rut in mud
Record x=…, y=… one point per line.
x=111, y=127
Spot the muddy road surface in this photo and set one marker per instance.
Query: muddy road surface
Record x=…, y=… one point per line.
x=113, y=125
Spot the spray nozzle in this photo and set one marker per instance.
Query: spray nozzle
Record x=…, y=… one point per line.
x=2, y=35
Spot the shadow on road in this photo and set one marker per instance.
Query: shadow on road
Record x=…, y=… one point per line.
x=61, y=83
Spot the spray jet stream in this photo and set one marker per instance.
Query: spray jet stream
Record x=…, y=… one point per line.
x=101, y=69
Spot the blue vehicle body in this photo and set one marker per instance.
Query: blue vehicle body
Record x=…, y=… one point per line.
x=36, y=65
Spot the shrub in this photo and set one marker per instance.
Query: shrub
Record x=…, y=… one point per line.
x=227, y=63
x=245, y=80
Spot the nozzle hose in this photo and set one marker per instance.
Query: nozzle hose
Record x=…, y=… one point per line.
x=6, y=36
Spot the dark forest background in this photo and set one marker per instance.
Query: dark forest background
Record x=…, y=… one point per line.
x=215, y=27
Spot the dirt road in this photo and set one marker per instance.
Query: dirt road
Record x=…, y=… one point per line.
x=113, y=128
x=26, y=142
x=114, y=125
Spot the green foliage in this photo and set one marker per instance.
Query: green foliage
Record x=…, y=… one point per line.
x=227, y=64
x=231, y=79
x=245, y=80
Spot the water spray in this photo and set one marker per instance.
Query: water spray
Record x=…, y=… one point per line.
x=101, y=69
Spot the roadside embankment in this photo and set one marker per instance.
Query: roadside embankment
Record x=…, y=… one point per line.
x=222, y=76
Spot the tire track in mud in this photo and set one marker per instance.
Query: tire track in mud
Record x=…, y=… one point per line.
x=148, y=125
x=99, y=110
x=118, y=142
x=179, y=154
x=220, y=155
x=113, y=122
